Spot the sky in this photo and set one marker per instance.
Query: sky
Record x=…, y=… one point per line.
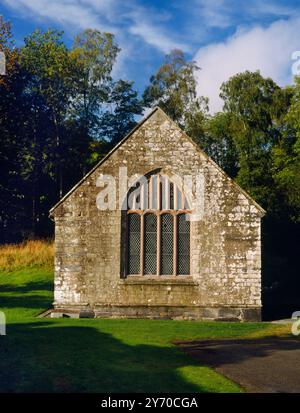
x=224, y=37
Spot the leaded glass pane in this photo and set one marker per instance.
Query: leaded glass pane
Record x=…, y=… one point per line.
x=183, y=245
x=134, y=243
x=167, y=244
x=150, y=252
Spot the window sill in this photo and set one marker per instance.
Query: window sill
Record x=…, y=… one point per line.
x=159, y=279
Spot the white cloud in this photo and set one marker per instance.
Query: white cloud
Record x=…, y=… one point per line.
x=116, y=16
x=225, y=13
x=215, y=13
x=71, y=12
x=266, y=49
x=273, y=8
x=156, y=38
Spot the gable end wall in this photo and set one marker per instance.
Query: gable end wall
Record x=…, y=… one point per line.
x=225, y=280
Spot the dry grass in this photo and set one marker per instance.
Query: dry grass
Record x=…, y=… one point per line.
x=27, y=254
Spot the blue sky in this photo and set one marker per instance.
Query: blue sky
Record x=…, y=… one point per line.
x=224, y=36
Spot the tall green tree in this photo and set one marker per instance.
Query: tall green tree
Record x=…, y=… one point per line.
x=94, y=54
x=217, y=141
x=173, y=88
x=263, y=128
x=256, y=106
x=60, y=111
x=13, y=117
x=286, y=154
x=123, y=105
x=45, y=57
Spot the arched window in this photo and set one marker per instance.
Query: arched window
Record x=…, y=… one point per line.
x=158, y=228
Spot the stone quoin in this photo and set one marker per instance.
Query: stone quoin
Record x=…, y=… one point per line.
x=155, y=260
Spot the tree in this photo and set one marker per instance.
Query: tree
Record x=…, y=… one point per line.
x=60, y=111
x=173, y=87
x=94, y=54
x=286, y=155
x=263, y=128
x=45, y=57
x=13, y=115
x=123, y=104
x=256, y=106
x=218, y=142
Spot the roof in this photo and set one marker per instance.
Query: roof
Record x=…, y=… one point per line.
x=149, y=115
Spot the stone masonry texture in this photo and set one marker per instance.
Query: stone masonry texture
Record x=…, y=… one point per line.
x=225, y=277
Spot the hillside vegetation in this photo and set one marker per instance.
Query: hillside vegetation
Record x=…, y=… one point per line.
x=28, y=254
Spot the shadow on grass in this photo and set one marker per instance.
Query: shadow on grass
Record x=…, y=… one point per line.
x=34, y=294
x=28, y=287
x=32, y=301
x=17, y=291
x=58, y=356
x=47, y=356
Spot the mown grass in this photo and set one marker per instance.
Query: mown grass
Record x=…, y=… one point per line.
x=101, y=355
x=28, y=254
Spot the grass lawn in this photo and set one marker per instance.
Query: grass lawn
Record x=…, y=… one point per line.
x=101, y=355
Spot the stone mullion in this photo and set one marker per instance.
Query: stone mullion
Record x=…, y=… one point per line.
x=158, y=244
x=142, y=245
x=175, y=244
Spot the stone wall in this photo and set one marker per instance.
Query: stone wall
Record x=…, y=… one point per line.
x=225, y=280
